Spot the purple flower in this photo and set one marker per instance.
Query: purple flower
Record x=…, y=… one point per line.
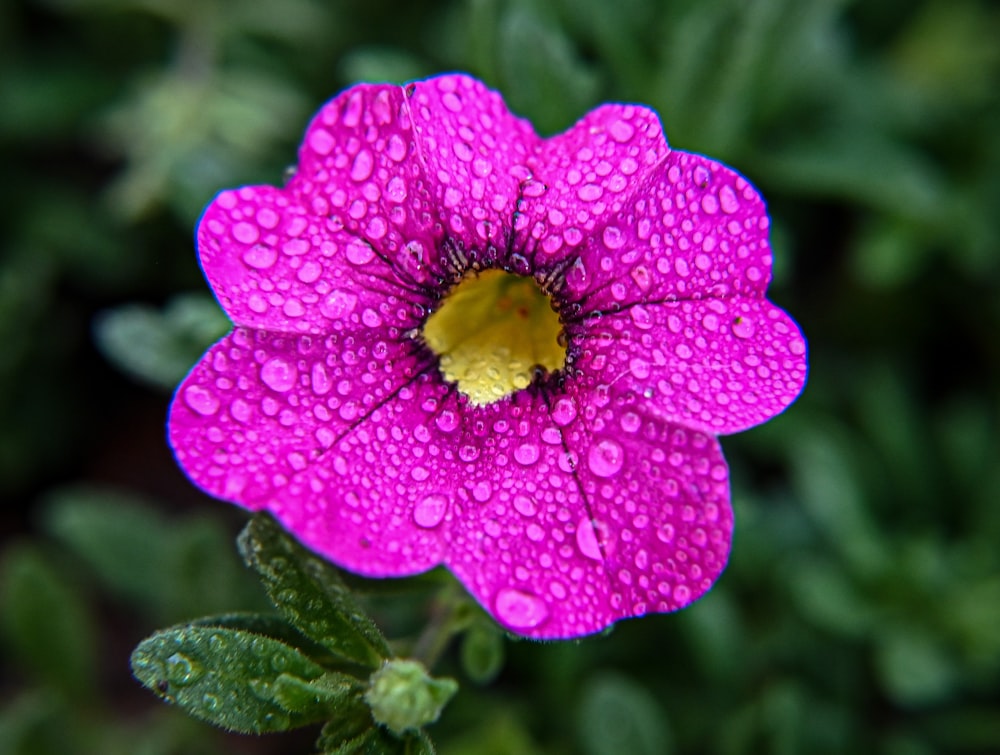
x=460, y=343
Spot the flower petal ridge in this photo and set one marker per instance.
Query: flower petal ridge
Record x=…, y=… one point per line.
x=595, y=494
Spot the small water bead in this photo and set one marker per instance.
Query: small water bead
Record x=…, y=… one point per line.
x=525, y=506
x=527, y=454
x=587, y=540
x=338, y=304
x=362, y=167
x=520, y=609
x=260, y=256
x=359, y=253
x=278, y=374
x=564, y=412
x=605, y=458
x=429, y=512
x=728, y=200
x=182, y=670
x=201, y=400
x=743, y=327
x=246, y=233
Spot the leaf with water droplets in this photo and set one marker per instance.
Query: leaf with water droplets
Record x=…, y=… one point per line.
x=239, y=680
x=310, y=594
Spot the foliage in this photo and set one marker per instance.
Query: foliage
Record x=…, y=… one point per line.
x=860, y=606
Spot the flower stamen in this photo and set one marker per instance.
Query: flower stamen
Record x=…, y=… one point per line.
x=493, y=333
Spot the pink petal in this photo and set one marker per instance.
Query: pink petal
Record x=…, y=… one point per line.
x=361, y=170
x=277, y=267
x=692, y=228
x=473, y=153
x=585, y=175
x=717, y=365
x=260, y=407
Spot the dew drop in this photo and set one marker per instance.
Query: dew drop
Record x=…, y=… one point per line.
x=526, y=454
x=622, y=131
x=613, y=237
x=260, y=256
x=524, y=505
x=278, y=375
x=446, y=421
x=429, y=512
x=519, y=609
x=564, y=412
x=360, y=253
x=586, y=539
x=363, y=165
x=743, y=327
x=577, y=278
x=606, y=458
x=245, y=233
x=728, y=200
x=201, y=400
x=182, y=670
x=338, y=304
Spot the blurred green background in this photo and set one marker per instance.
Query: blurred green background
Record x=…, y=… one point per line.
x=861, y=608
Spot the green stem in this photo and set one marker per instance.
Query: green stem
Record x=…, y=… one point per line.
x=448, y=617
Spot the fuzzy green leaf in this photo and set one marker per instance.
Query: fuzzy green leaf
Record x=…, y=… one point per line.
x=239, y=680
x=310, y=594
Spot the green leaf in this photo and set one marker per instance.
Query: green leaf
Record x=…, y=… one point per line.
x=542, y=75
x=483, y=653
x=239, y=680
x=617, y=715
x=159, y=347
x=354, y=733
x=46, y=621
x=310, y=594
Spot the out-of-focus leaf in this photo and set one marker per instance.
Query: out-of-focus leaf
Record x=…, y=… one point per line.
x=239, y=680
x=482, y=652
x=374, y=64
x=826, y=595
x=617, y=715
x=542, y=77
x=914, y=668
x=829, y=486
x=861, y=167
x=174, y=570
x=159, y=347
x=310, y=594
x=46, y=622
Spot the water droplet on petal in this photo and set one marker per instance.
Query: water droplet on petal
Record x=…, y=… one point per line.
x=429, y=512
x=245, y=233
x=743, y=327
x=201, y=400
x=622, y=131
x=519, y=609
x=338, y=304
x=605, y=458
x=526, y=454
x=260, y=256
x=728, y=200
x=586, y=539
x=564, y=412
x=278, y=375
x=363, y=165
x=359, y=252
x=613, y=237
x=524, y=505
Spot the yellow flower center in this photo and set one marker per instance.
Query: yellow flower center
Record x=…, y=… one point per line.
x=491, y=334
